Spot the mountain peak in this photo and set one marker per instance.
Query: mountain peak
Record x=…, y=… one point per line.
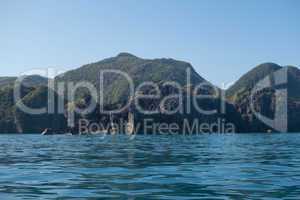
x=267, y=66
x=249, y=79
x=125, y=54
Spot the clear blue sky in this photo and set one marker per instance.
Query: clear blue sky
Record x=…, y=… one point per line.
x=222, y=39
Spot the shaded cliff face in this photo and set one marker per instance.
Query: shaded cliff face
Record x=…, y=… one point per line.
x=36, y=123
x=265, y=101
x=7, y=124
x=294, y=99
x=7, y=103
x=33, y=93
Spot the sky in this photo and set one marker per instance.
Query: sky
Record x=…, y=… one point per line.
x=221, y=39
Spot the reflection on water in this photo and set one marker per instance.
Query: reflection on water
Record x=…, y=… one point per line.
x=155, y=167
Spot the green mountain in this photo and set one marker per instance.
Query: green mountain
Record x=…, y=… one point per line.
x=248, y=80
x=115, y=90
x=29, y=81
x=7, y=108
x=5, y=81
x=160, y=71
x=38, y=98
x=265, y=101
x=140, y=70
x=30, y=89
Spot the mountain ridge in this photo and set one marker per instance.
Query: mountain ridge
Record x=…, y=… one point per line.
x=159, y=71
x=138, y=69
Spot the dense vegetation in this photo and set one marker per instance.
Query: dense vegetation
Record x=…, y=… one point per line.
x=265, y=101
x=116, y=90
x=38, y=98
x=140, y=70
x=252, y=77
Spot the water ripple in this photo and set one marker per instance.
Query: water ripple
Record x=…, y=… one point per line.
x=250, y=166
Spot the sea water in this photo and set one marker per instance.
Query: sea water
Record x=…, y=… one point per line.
x=234, y=166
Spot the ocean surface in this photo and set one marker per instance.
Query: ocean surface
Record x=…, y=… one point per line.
x=236, y=166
